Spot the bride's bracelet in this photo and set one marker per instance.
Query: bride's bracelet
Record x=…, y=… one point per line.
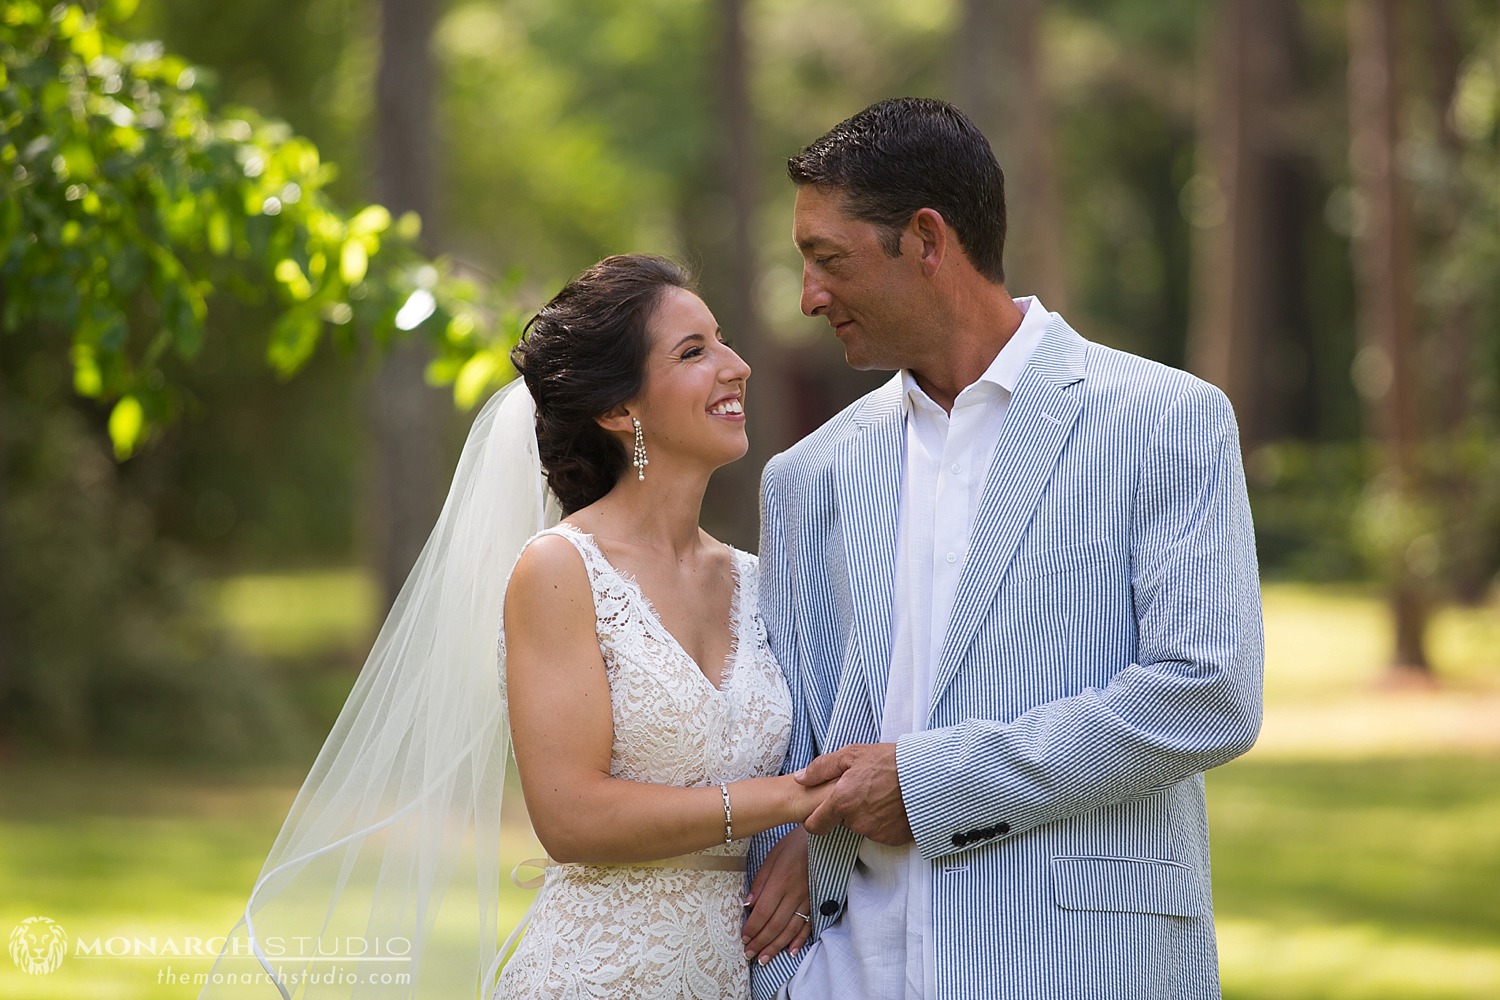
x=728, y=815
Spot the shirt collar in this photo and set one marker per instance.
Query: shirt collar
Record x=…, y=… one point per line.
x=1004, y=371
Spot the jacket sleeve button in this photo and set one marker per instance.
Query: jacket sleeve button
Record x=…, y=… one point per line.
x=959, y=839
x=1001, y=829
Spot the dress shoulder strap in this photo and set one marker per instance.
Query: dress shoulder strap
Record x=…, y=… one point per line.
x=593, y=558
x=747, y=569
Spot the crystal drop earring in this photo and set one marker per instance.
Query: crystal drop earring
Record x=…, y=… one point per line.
x=640, y=461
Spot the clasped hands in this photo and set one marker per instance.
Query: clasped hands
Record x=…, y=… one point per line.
x=855, y=786
x=863, y=793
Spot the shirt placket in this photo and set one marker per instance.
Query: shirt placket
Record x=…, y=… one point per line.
x=951, y=519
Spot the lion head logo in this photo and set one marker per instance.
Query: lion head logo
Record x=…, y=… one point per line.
x=37, y=945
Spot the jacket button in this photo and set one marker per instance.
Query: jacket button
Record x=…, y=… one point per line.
x=960, y=839
x=1001, y=829
x=829, y=907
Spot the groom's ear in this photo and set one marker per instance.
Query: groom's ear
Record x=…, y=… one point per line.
x=616, y=421
x=930, y=232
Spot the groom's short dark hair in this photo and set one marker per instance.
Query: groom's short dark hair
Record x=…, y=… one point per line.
x=909, y=153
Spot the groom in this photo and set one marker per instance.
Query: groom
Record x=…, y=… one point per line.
x=1014, y=592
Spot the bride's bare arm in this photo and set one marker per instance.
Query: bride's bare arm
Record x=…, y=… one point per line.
x=562, y=729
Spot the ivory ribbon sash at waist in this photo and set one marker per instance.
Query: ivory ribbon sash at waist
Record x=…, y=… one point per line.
x=698, y=862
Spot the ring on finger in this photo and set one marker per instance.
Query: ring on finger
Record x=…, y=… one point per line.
x=805, y=917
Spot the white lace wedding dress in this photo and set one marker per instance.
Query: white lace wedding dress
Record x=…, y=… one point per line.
x=612, y=931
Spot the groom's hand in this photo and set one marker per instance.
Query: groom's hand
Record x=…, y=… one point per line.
x=866, y=797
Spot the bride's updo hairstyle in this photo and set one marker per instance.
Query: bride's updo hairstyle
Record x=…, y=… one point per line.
x=583, y=355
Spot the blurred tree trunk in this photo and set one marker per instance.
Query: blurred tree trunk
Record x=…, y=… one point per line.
x=405, y=414
x=1000, y=82
x=1454, y=338
x=731, y=277
x=1385, y=311
x=1247, y=205
x=5, y=553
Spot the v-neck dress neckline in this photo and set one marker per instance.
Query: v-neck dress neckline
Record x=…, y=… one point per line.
x=653, y=619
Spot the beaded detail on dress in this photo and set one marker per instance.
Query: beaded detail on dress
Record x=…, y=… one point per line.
x=614, y=931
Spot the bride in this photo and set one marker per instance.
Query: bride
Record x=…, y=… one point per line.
x=648, y=717
x=646, y=710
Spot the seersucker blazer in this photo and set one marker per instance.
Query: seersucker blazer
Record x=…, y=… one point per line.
x=1104, y=650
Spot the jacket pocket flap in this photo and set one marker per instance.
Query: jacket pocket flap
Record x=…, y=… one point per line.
x=1126, y=885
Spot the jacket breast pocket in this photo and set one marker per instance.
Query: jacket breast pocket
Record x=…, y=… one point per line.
x=1127, y=885
x=1059, y=559
x=1069, y=604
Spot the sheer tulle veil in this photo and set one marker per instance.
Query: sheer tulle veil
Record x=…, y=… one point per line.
x=383, y=881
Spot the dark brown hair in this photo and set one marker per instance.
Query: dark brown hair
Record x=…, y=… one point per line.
x=583, y=355
x=909, y=153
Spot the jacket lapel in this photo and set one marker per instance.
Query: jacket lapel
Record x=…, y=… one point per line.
x=1037, y=426
x=867, y=483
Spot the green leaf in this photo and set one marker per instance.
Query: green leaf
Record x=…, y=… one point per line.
x=87, y=379
x=372, y=220
x=477, y=375
x=354, y=261
x=127, y=426
x=443, y=370
x=293, y=341
x=409, y=226
x=80, y=161
x=70, y=19
x=88, y=44
x=460, y=329
x=23, y=12
x=219, y=240
x=289, y=273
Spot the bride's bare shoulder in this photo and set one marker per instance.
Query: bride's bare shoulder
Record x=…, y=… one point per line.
x=549, y=568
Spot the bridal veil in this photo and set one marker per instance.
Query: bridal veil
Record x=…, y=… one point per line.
x=383, y=880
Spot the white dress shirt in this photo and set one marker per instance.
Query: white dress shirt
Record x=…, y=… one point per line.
x=881, y=948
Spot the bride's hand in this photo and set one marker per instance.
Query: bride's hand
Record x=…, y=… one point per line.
x=805, y=799
x=779, y=901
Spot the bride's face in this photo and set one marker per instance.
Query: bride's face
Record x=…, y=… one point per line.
x=692, y=405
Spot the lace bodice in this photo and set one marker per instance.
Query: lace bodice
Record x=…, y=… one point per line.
x=617, y=931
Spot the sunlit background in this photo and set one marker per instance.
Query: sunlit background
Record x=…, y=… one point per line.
x=239, y=357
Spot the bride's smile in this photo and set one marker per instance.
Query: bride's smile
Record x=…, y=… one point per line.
x=693, y=401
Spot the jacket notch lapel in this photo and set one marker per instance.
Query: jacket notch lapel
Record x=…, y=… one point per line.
x=867, y=485
x=1037, y=427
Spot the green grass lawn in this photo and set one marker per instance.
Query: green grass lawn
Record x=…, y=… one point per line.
x=1358, y=879
x=1356, y=850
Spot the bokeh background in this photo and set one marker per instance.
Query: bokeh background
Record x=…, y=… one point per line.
x=260, y=260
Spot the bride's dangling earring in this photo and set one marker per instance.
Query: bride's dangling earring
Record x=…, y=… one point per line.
x=640, y=461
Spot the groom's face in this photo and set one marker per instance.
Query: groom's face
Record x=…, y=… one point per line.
x=848, y=279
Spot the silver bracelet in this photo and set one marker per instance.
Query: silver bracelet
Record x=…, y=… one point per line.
x=728, y=815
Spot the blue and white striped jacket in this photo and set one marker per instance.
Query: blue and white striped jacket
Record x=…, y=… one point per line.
x=1104, y=650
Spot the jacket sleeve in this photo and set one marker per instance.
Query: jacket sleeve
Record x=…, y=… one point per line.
x=1192, y=700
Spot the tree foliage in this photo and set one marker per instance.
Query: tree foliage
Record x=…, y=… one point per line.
x=130, y=198
x=136, y=213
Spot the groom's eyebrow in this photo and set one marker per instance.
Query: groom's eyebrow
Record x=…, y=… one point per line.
x=813, y=241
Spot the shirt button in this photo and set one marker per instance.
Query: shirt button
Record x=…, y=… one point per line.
x=952, y=557
x=955, y=468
